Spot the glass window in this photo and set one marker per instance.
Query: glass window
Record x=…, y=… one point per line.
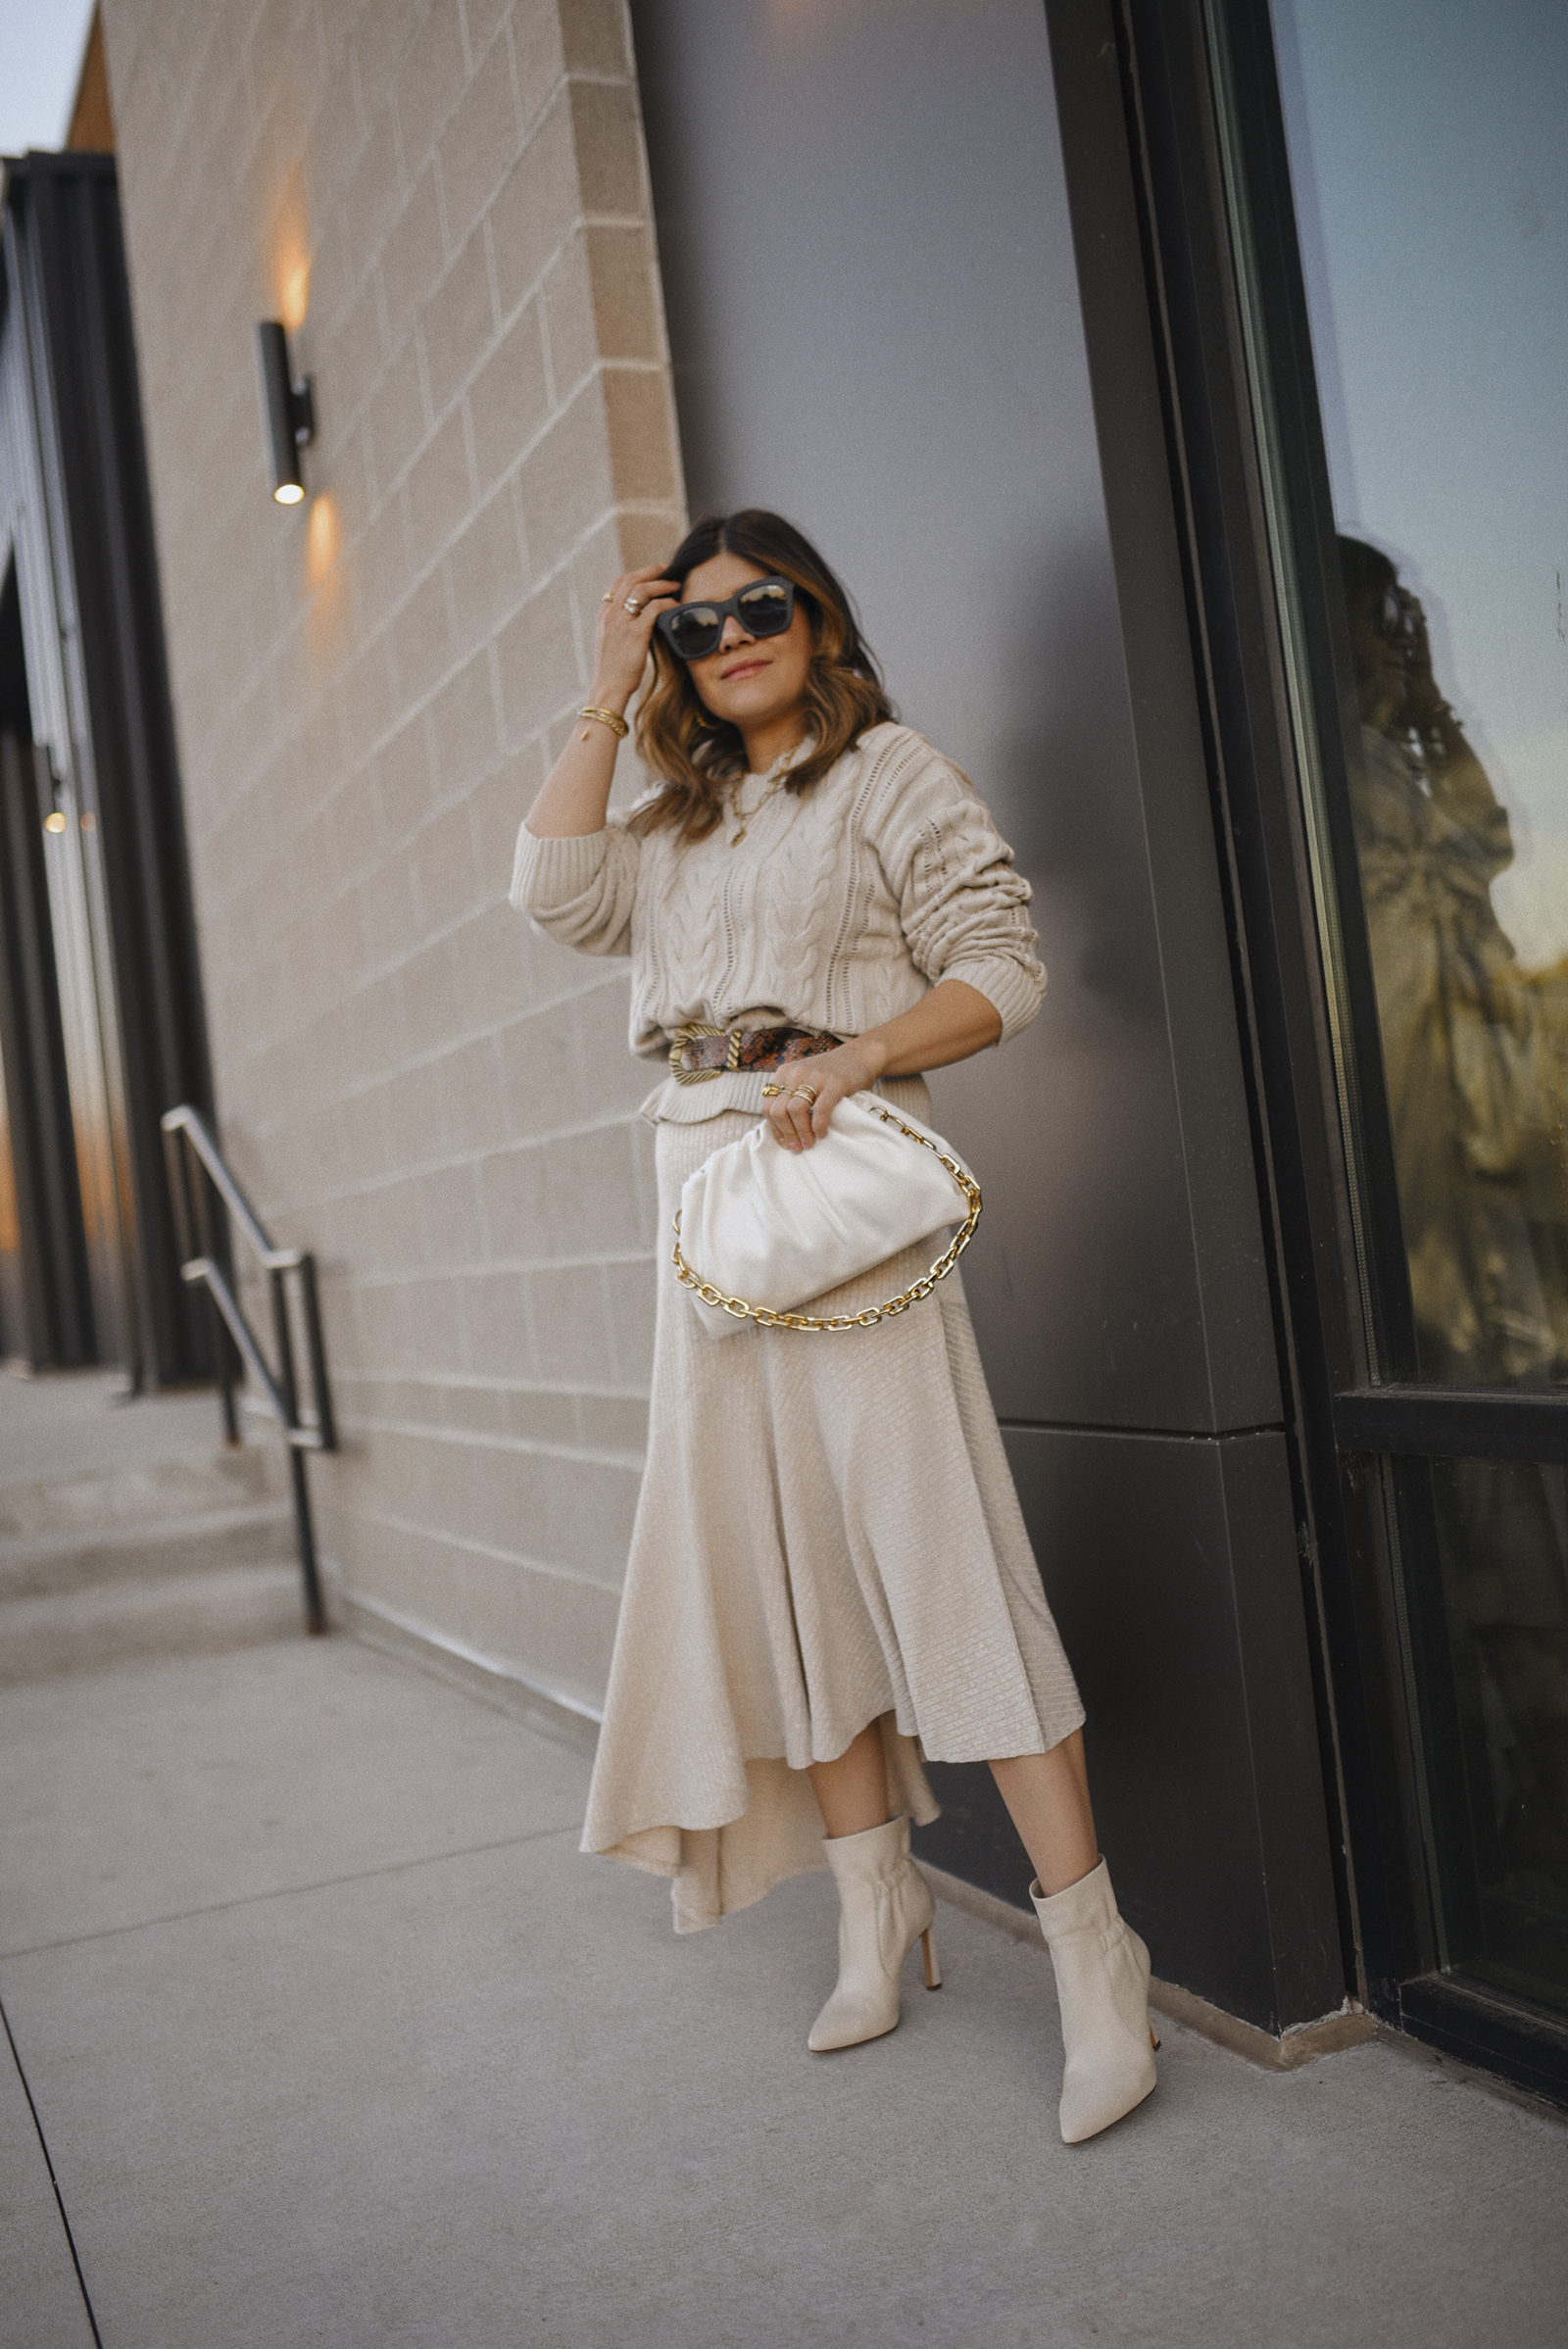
x=1430, y=173
x=1486, y=1550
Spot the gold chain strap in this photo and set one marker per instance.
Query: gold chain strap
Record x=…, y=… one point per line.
x=765, y=1316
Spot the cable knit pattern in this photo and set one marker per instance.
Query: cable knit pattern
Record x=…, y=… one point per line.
x=838, y=910
x=827, y=1533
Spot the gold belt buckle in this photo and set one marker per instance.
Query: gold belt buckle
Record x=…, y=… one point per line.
x=688, y=1035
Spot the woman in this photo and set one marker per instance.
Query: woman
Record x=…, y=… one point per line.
x=829, y=1562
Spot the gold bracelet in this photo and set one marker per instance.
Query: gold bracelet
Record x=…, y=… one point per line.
x=606, y=717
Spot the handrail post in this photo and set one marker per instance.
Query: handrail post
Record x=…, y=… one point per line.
x=304, y=1537
x=200, y=1213
x=176, y=1168
x=327, y=1425
x=314, y=1612
x=195, y=1170
x=188, y=1221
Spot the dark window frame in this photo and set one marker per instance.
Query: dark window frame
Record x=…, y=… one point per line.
x=1341, y=1300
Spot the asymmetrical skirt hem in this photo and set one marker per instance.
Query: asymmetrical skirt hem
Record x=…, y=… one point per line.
x=827, y=1536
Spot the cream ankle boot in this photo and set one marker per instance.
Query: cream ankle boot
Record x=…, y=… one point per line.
x=1101, y=1970
x=885, y=1906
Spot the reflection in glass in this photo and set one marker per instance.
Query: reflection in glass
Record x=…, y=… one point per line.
x=1475, y=1047
x=1429, y=172
x=1430, y=177
x=1496, y=1632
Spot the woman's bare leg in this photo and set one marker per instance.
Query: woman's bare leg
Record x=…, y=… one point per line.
x=853, y=1792
x=1048, y=1796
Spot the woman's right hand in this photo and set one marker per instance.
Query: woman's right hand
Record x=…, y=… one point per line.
x=623, y=636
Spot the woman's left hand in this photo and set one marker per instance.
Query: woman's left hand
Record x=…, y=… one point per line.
x=949, y=1024
x=798, y=1121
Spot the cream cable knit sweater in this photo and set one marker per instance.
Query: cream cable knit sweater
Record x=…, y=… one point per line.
x=838, y=910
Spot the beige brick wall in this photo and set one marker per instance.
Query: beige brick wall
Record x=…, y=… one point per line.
x=452, y=201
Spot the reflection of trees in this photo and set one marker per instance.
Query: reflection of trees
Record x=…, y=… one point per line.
x=1529, y=1146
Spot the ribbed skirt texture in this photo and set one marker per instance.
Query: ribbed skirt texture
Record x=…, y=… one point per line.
x=827, y=1536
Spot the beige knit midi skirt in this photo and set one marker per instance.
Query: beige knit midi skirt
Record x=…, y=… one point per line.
x=827, y=1536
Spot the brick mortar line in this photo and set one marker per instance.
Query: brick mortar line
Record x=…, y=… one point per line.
x=480, y=1440
x=408, y=710
x=486, y=1269
x=552, y=1570
x=286, y=640
x=346, y=1195
x=643, y=508
x=409, y=173
x=376, y=1187
x=462, y=1381
x=563, y=401
x=614, y=973
x=355, y=288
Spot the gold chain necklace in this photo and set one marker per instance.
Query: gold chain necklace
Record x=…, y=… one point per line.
x=745, y=816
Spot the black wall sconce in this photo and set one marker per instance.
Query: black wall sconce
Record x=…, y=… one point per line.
x=288, y=411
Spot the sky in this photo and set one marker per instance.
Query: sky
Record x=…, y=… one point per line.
x=41, y=45
x=1431, y=176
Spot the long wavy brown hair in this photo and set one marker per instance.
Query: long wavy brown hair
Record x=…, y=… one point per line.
x=697, y=756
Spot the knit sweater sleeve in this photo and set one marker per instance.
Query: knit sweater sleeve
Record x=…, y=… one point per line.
x=962, y=906
x=580, y=889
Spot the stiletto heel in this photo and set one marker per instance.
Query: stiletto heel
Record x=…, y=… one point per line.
x=928, y=1950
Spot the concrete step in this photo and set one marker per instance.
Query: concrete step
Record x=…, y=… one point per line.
x=211, y=1478
x=196, y=1543
x=184, y=1614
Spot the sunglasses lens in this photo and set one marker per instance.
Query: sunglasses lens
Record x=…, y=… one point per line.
x=694, y=629
x=764, y=609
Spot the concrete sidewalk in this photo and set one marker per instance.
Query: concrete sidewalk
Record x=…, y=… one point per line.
x=78, y=1422
x=335, y=2041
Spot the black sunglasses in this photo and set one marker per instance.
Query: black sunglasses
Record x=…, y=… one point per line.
x=764, y=609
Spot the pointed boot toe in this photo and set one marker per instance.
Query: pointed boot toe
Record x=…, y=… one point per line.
x=1101, y=1970
x=885, y=1906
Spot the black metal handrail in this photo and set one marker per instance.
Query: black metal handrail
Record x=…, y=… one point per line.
x=190, y=1154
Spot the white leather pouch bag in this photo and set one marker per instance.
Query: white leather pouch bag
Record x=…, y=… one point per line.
x=762, y=1229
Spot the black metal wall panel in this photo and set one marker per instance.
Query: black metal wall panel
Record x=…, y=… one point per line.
x=874, y=316
x=1206, y=1770
x=876, y=289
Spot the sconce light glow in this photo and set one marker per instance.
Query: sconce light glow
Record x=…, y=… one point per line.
x=321, y=538
x=288, y=411
x=295, y=297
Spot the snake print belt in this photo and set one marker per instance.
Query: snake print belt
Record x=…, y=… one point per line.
x=698, y=1052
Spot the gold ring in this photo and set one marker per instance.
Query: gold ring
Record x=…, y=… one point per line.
x=632, y=606
x=609, y=596
x=770, y=1092
x=804, y=1093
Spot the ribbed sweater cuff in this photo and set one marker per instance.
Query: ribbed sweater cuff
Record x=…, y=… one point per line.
x=547, y=873
x=1014, y=989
